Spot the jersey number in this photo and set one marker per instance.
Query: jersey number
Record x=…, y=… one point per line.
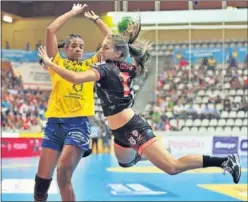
x=125, y=76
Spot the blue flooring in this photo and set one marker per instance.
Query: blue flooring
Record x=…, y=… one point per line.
x=92, y=182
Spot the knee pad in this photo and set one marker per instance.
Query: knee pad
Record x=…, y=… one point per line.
x=41, y=188
x=133, y=162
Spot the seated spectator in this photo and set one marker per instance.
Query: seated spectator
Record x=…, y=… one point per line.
x=232, y=61
x=155, y=114
x=244, y=104
x=211, y=64
x=235, y=83
x=218, y=100
x=228, y=75
x=204, y=61
x=183, y=62
x=168, y=126
x=178, y=110
x=191, y=112
x=246, y=83
x=226, y=104
x=216, y=113
x=211, y=82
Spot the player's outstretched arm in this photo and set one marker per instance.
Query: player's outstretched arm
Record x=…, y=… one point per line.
x=73, y=77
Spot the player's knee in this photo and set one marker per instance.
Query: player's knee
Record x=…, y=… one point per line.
x=41, y=188
x=136, y=159
x=63, y=175
x=171, y=169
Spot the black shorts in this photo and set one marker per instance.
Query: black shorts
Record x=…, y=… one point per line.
x=136, y=134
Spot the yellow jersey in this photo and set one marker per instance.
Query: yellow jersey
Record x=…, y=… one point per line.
x=67, y=99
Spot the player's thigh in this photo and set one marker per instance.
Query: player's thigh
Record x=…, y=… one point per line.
x=78, y=133
x=52, y=144
x=124, y=154
x=133, y=137
x=69, y=158
x=76, y=143
x=47, y=162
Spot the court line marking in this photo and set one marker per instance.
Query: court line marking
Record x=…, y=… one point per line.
x=237, y=191
x=153, y=169
x=18, y=166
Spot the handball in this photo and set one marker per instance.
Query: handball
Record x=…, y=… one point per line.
x=124, y=23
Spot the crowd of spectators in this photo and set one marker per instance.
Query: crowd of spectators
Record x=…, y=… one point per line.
x=22, y=109
x=196, y=91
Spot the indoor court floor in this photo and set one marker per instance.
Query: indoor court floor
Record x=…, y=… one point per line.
x=99, y=178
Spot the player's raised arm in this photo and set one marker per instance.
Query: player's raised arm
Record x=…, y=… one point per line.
x=51, y=40
x=73, y=77
x=99, y=22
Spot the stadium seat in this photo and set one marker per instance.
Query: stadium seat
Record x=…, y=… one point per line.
x=194, y=129
x=238, y=122
x=224, y=114
x=205, y=122
x=213, y=122
x=235, y=130
x=197, y=122
x=202, y=129
x=241, y=114
x=219, y=130
x=230, y=122
x=245, y=122
x=222, y=122
x=211, y=129
x=189, y=122
x=232, y=114
x=244, y=130
x=186, y=129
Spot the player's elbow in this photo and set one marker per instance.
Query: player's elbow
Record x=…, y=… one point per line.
x=50, y=29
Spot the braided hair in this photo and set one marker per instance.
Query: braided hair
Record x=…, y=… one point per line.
x=65, y=43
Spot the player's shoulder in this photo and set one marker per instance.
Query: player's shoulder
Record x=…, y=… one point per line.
x=102, y=63
x=89, y=61
x=57, y=58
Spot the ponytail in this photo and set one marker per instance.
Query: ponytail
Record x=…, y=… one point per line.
x=136, y=28
x=61, y=44
x=139, y=50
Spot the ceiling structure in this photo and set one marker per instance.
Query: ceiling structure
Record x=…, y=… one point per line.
x=56, y=8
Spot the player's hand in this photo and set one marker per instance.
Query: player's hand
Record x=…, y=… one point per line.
x=131, y=30
x=78, y=8
x=91, y=15
x=43, y=55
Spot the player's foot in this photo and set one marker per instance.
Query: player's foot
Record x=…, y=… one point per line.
x=232, y=165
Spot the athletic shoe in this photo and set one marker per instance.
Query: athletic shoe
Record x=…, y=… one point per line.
x=232, y=165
